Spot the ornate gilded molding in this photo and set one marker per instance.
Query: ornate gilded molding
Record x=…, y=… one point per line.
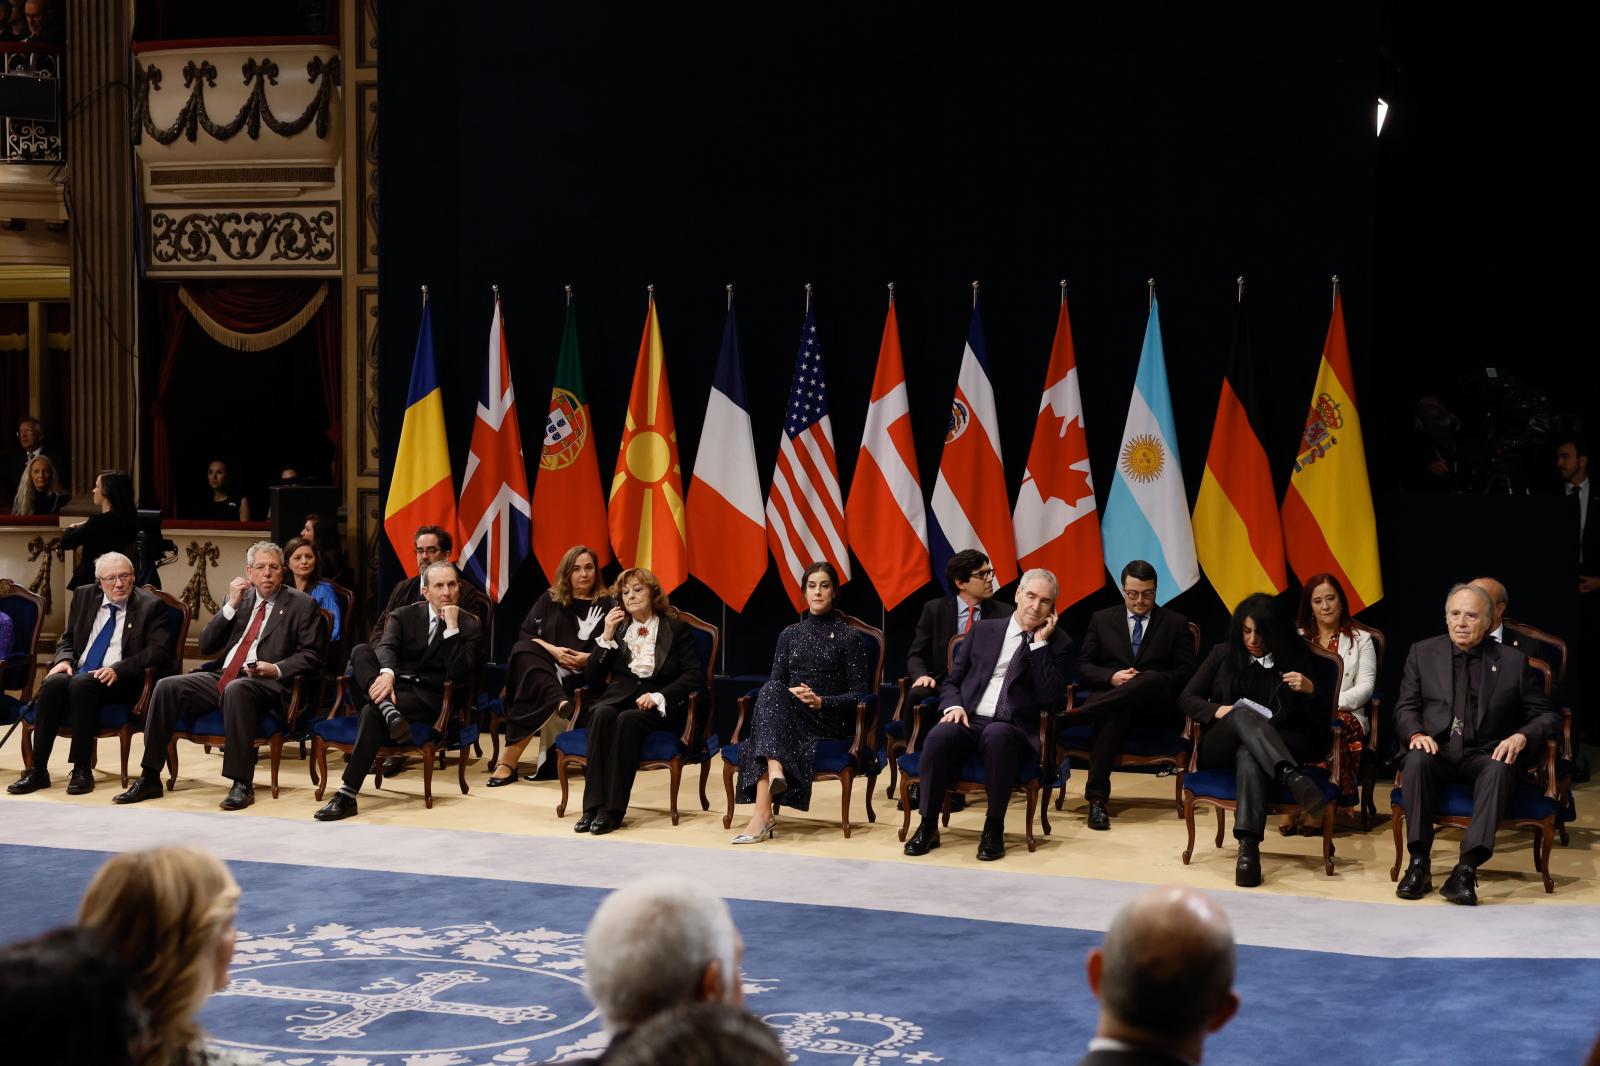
x=367, y=171
x=323, y=73
x=198, y=591
x=50, y=550
x=367, y=34
x=282, y=236
x=367, y=380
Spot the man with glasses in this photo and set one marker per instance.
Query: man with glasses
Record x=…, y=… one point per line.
x=433, y=545
x=1135, y=661
x=970, y=575
x=114, y=632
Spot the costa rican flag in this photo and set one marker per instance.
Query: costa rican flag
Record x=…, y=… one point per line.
x=805, y=511
x=496, y=530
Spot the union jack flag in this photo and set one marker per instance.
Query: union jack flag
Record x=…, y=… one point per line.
x=496, y=528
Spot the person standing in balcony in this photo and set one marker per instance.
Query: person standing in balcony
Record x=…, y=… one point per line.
x=40, y=492
x=223, y=505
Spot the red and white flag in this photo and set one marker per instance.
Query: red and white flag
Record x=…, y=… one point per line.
x=495, y=527
x=888, y=524
x=1055, y=516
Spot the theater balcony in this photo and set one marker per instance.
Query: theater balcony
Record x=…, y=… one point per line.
x=33, y=214
x=239, y=144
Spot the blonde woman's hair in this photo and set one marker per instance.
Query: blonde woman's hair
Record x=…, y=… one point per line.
x=161, y=912
x=27, y=495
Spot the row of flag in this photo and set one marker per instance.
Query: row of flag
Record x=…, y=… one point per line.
x=722, y=531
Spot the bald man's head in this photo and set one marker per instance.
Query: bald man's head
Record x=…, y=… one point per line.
x=1167, y=964
x=1497, y=594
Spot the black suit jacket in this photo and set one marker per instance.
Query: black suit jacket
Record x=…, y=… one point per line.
x=292, y=639
x=404, y=648
x=1589, y=541
x=1039, y=688
x=1510, y=699
x=101, y=532
x=1167, y=648
x=929, y=654
x=678, y=672
x=409, y=591
x=1305, y=722
x=146, y=636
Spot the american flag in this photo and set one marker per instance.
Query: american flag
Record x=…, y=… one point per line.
x=805, y=510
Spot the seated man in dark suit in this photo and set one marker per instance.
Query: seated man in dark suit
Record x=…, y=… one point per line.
x=268, y=634
x=1470, y=710
x=1164, y=979
x=113, y=632
x=970, y=574
x=1135, y=661
x=1007, y=672
x=403, y=676
x=433, y=545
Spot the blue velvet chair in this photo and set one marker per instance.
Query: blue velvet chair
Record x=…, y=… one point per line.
x=897, y=731
x=1536, y=806
x=663, y=750
x=1552, y=650
x=836, y=760
x=122, y=720
x=18, y=669
x=1220, y=789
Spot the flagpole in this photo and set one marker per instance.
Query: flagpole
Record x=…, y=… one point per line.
x=883, y=612
x=1150, y=285
x=424, y=296
x=1335, y=292
x=808, y=297
x=1239, y=281
x=730, y=296
x=891, y=294
x=568, y=290
x=974, y=295
x=496, y=290
x=1063, y=291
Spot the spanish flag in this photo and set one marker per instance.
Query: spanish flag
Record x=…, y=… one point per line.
x=1328, y=522
x=1237, y=535
x=646, y=515
x=421, y=490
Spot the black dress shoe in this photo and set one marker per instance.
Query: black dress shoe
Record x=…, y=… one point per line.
x=143, y=788
x=340, y=806
x=511, y=778
x=399, y=728
x=80, y=782
x=1462, y=887
x=992, y=845
x=584, y=824
x=393, y=765
x=1247, y=870
x=1417, y=882
x=958, y=802
x=601, y=825
x=1307, y=793
x=32, y=780
x=925, y=839
x=1098, y=816
x=239, y=797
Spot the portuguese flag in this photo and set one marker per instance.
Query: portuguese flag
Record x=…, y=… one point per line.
x=568, y=505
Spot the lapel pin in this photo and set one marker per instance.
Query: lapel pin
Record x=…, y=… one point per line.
x=1493, y=669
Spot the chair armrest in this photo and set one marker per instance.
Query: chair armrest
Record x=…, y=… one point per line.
x=456, y=703
x=745, y=702
x=294, y=703
x=866, y=725
x=922, y=708
x=688, y=737
x=1566, y=733
x=1552, y=787
x=1193, y=729
x=143, y=702
x=1336, y=727
x=342, y=697
x=580, y=696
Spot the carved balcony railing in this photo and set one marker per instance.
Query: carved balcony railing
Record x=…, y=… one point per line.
x=30, y=140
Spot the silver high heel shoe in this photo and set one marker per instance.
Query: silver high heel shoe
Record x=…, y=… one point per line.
x=770, y=830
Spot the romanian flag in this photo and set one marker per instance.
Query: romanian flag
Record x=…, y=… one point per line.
x=1237, y=535
x=421, y=491
x=647, y=514
x=568, y=504
x=1328, y=522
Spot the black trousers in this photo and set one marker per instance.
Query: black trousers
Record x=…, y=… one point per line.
x=1143, y=700
x=1425, y=776
x=243, y=704
x=617, y=732
x=372, y=733
x=75, y=702
x=1254, y=750
x=1003, y=747
x=534, y=691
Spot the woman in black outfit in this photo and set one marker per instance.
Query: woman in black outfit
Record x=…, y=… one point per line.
x=819, y=674
x=40, y=492
x=650, y=665
x=112, y=530
x=1263, y=660
x=222, y=505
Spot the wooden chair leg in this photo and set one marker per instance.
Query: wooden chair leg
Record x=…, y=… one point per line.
x=427, y=776
x=1188, y=817
x=126, y=739
x=1044, y=810
x=944, y=810
x=561, y=775
x=727, y=786
x=675, y=771
x=319, y=752
x=27, y=744
x=872, y=784
x=1177, y=791
x=1328, y=814
x=905, y=806
x=1033, y=800
x=276, y=754
x=846, y=779
x=172, y=763
x=461, y=769
x=494, y=750
x=1548, y=836
x=894, y=767
x=705, y=772
x=1397, y=820
x=1222, y=823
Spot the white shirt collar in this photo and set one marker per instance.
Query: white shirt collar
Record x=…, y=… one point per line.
x=1265, y=661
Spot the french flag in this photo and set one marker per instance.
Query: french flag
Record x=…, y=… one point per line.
x=969, y=505
x=496, y=527
x=727, y=528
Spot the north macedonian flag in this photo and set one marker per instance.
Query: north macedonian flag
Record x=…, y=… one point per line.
x=1328, y=523
x=421, y=490
x=569, y=506
x=647, y=514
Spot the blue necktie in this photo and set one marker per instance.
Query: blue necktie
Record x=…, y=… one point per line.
x=96, y=656
x=1002, y=707
x=1138, y=633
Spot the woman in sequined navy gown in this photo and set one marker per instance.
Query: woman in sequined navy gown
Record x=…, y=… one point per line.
x=819, y=674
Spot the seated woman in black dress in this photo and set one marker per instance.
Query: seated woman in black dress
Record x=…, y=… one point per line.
x=1263, y=660
x=41, y=492
x=819, y=674
x=648, y=661
x=551, y=651
x=221, y=504
x=113, y=529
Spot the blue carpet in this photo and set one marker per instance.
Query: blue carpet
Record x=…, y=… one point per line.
x=359, y=968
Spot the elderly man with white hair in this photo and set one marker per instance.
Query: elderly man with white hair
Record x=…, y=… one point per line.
x=1006, y=674
x=1469, y=711
x=657, y=943
x=114, y=632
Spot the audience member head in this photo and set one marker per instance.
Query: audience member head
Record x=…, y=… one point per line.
x=1467, y=614
x=1323, y=608
x=217, y=479
x=819, y=585
x=1164, y=975
x=38, y=481
x=38, y=14
x=1260, y=627
x=577, y=575
x=113, y=493
x=65, y=1000
x=305, y=566
x=1139, y=587
x=1498, y=596
x=432, y=544
x=1572, y=459
x=263, y=565
x=166, y=914
x=701, y=1034
x=970, y=574
x=640, y=594
x=441, y=584
x=288, y=475
x=659, y=942
x=30, y=431
x=114, y=572
x=323, y=533
x=1036, y=598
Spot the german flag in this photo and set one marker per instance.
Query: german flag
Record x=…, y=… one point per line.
x=1237, y=536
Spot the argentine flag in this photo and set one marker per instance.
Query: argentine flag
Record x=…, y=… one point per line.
x=1147, y=514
